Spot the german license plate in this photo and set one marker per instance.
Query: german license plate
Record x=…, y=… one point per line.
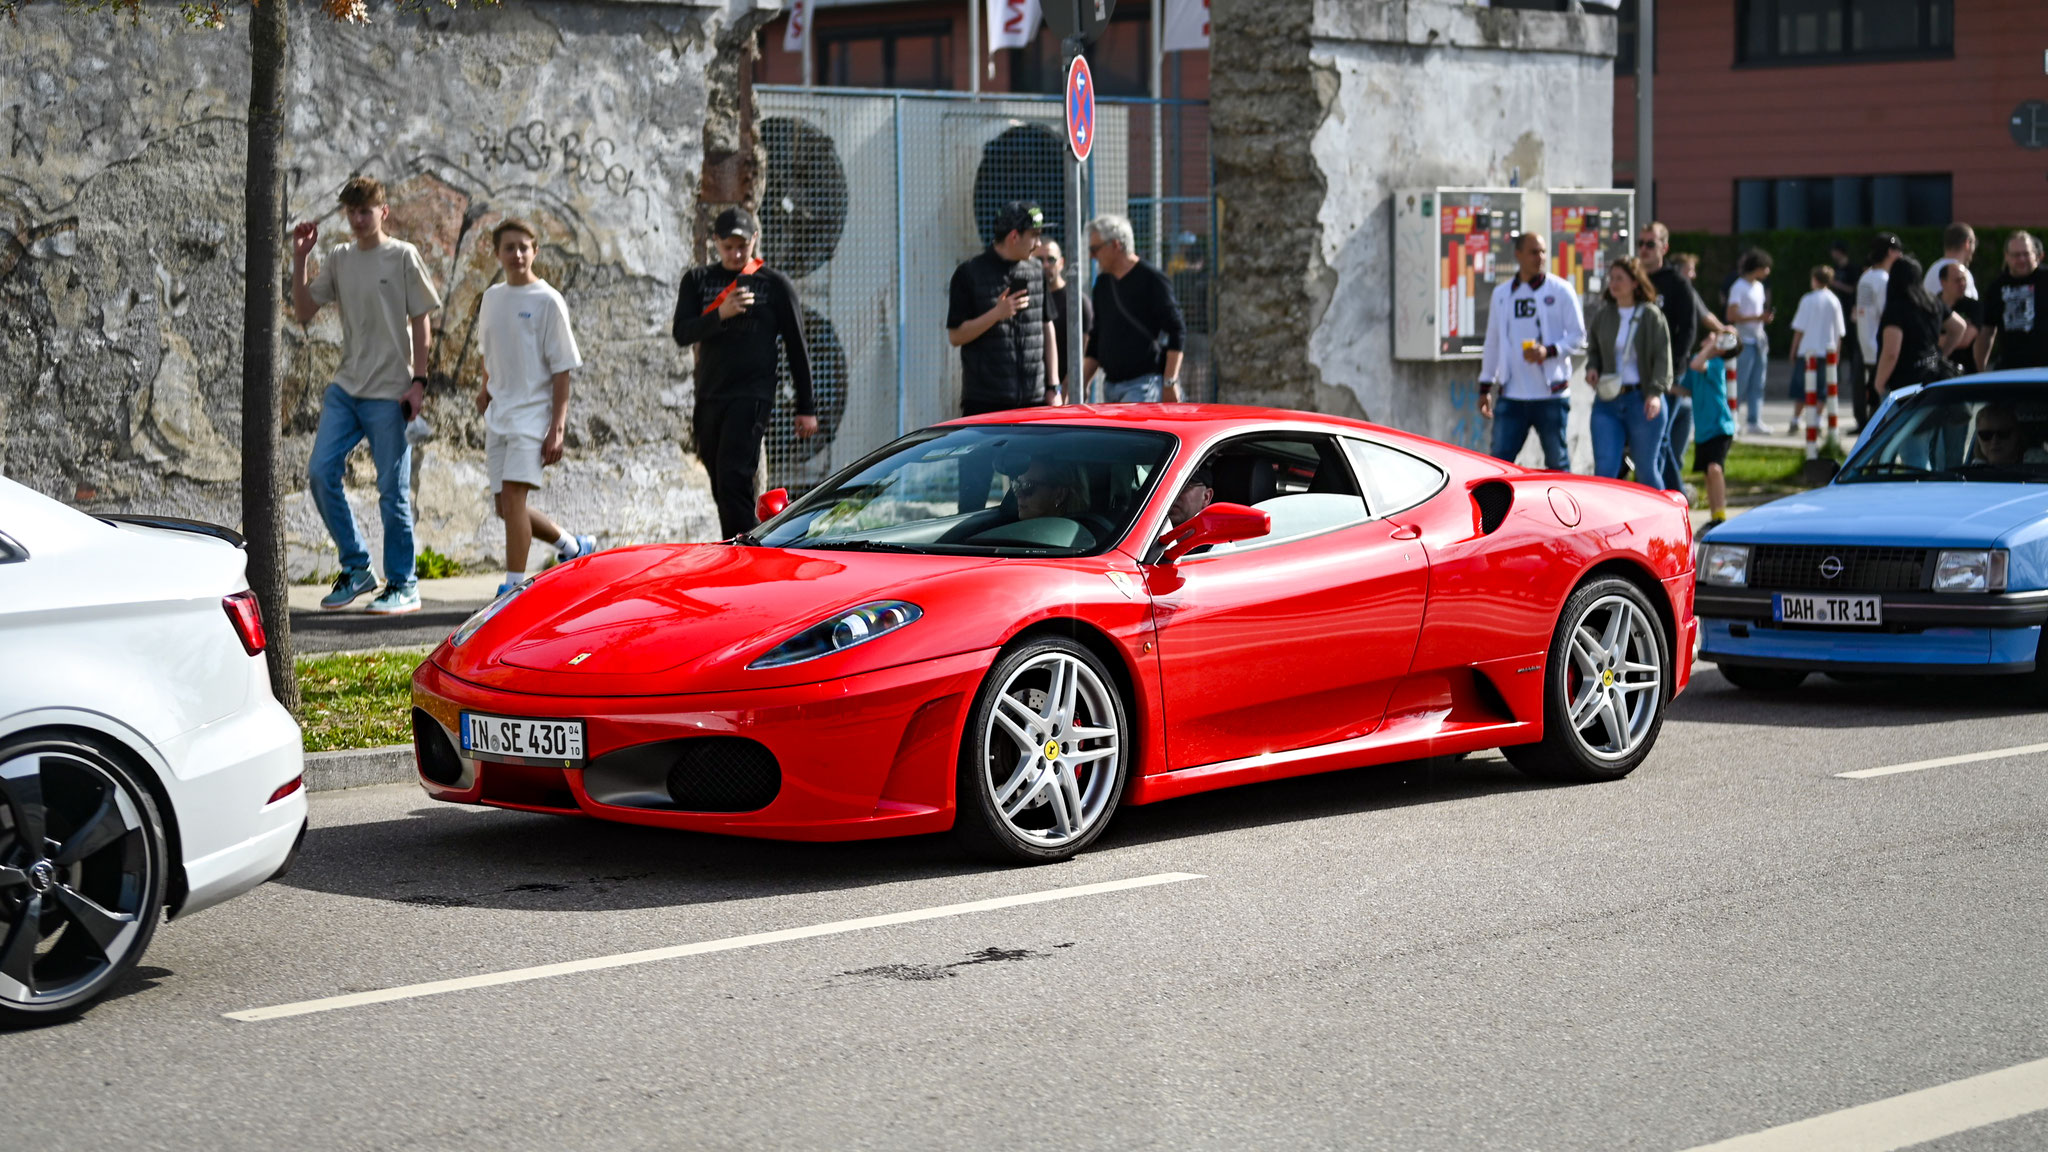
x=522, y=738
x=1846, y=611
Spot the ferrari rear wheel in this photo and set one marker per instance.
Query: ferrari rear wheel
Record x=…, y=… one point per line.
x=82, y=876
x=1604, y=690
x=1042, y=765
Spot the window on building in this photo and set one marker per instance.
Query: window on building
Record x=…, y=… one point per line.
x=889, y=56
x=1120, y=61
x=1775, y=32
x=1843, y=202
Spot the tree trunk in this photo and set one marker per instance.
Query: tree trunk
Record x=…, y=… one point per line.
x=263, y=236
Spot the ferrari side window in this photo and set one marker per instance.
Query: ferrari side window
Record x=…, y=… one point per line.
x=1394, y=481
x=1300, y=481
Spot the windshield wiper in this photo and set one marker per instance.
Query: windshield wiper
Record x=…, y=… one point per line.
x=859, y=546
x=1895, y=468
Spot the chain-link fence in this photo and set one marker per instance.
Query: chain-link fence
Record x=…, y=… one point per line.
x=873, y=198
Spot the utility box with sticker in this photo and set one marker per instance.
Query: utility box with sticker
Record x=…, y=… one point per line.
x=1590, y=228
x=1451, y=247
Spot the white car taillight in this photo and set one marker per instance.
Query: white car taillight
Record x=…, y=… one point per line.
x=247, y=617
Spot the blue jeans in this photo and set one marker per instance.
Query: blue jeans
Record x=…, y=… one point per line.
x=1680, y=410
x=1513, y=420
x=1619, y=423
x=1750, y=365
x=1136, y=390
x=345, y=422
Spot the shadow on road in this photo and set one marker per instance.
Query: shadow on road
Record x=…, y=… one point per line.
x=1877, y=702
x=460, y=857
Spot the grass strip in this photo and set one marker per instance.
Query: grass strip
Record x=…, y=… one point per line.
x=357, y=699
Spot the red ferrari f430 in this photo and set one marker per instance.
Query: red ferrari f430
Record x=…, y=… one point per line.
x=1009, y=625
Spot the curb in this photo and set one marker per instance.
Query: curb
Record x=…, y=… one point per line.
x=359, y=768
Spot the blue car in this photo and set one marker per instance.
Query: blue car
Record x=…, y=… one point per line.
x=1927, y=554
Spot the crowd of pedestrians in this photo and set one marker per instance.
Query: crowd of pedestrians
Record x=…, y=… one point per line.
x=1658, y=358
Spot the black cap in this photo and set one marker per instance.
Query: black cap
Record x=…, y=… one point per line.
x=1018, y=216
x=1885, y=242
x=734, y=222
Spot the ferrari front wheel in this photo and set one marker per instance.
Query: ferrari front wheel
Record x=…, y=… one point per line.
x=1604, y=689
x=1044, y=756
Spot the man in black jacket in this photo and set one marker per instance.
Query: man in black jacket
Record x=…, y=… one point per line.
x=996, y=317
x=735, y=311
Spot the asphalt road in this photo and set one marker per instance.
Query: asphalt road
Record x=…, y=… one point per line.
x=1421, y=957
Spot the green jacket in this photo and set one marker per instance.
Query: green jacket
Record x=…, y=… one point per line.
x=1652, y=337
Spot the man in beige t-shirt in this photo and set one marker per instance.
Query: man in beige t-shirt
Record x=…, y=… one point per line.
x=384, y=295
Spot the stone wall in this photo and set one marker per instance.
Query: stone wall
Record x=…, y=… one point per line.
x=121, y=243
x=1322, y=109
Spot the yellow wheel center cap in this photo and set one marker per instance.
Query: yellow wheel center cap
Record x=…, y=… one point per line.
x=1052, y=749
x=1607, y=677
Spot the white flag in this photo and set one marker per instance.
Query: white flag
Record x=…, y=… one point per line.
x=798, y=33
x=1187, y=25
x=1012, y=23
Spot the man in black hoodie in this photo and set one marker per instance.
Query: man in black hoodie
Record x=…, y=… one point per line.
x=734, y=311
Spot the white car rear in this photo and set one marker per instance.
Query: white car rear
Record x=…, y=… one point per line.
x=145, y=766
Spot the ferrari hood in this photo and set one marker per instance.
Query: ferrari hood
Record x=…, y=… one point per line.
x=704, y=601
x=1904, y=514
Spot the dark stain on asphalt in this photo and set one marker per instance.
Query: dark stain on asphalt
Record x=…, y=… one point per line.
x=916, y=972
x=538, y=886
x=433, y=901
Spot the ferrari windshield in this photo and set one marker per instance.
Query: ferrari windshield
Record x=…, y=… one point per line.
x=986, y=489
x=1959, y=433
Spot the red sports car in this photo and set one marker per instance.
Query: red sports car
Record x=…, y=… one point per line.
x=1010, y=624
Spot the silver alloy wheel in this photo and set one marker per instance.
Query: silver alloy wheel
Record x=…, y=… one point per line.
x=76, y=874
x=1615, y=683
x=1052, y=767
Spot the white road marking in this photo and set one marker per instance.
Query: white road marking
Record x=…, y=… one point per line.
x=650, y=955
x=1944, y=761
x=1904, y=1121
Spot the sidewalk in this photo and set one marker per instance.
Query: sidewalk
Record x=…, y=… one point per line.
x=444, y=605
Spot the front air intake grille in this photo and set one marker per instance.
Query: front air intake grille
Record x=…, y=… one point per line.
x=723, y=774
x=438, y=759
x=1831, y=569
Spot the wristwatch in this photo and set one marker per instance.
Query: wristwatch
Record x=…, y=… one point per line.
x=420, y=380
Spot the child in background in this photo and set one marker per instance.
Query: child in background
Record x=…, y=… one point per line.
x=529, y=351
x=1817, y=329
x=1713, y=421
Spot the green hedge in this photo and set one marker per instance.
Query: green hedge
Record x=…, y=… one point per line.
x=1794, y=253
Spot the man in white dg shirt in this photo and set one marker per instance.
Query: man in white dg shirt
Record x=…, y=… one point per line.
x=1533, y=326
x=1870, y=293
x=529, y=351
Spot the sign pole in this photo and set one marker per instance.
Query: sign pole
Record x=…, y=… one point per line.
x=1080, y=264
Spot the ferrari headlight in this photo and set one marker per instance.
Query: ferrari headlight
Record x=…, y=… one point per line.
x=1724, y=564
x=484, y=614
x=1970, y=570
x=856, y=626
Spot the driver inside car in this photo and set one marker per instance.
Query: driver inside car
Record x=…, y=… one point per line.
x=2000, y=441
x=1198, y=493
x=1051, y=488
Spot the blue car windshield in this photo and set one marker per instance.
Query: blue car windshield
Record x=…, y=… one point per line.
x=1959, y=434
x=983, y=489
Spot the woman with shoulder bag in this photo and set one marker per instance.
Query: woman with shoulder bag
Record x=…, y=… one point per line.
x=1628, y=363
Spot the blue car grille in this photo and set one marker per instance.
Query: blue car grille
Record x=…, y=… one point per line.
x=1802, y=566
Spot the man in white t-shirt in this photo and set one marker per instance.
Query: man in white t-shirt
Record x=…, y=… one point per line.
x=1817, y=330
x=1870, y=293
x=1749, y=310
x=529, y=351
x=1958, y=246
x=381, y=288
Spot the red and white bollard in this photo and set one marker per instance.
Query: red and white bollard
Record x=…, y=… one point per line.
x=1834, y=403
x=1811, y=413
x=1734, y=401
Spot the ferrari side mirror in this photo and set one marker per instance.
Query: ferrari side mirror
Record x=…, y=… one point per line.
x=771, y=503
x=1216, y=524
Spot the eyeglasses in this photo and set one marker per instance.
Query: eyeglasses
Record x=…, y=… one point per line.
x=1026, y=489
x=1997, y=433
x=1097, y=247
x=1646, y=243
x=1048, y=259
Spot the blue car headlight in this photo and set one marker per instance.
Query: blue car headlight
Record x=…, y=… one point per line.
x=1724, y=564
x=484, y=614
x=1970, y=570
x=852, y=627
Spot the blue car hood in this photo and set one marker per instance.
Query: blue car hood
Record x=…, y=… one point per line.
x=1926, y=514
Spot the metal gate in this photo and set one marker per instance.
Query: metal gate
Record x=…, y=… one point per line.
x=873, y=198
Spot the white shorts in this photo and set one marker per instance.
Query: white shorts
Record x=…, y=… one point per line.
x=509, y=456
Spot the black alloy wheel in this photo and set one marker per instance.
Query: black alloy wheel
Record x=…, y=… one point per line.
x=82, y=876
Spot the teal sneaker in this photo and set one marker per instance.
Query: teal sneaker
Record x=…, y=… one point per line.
x=507, y=586
x=395, y=599
x=348, y=588
x=585, y=545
